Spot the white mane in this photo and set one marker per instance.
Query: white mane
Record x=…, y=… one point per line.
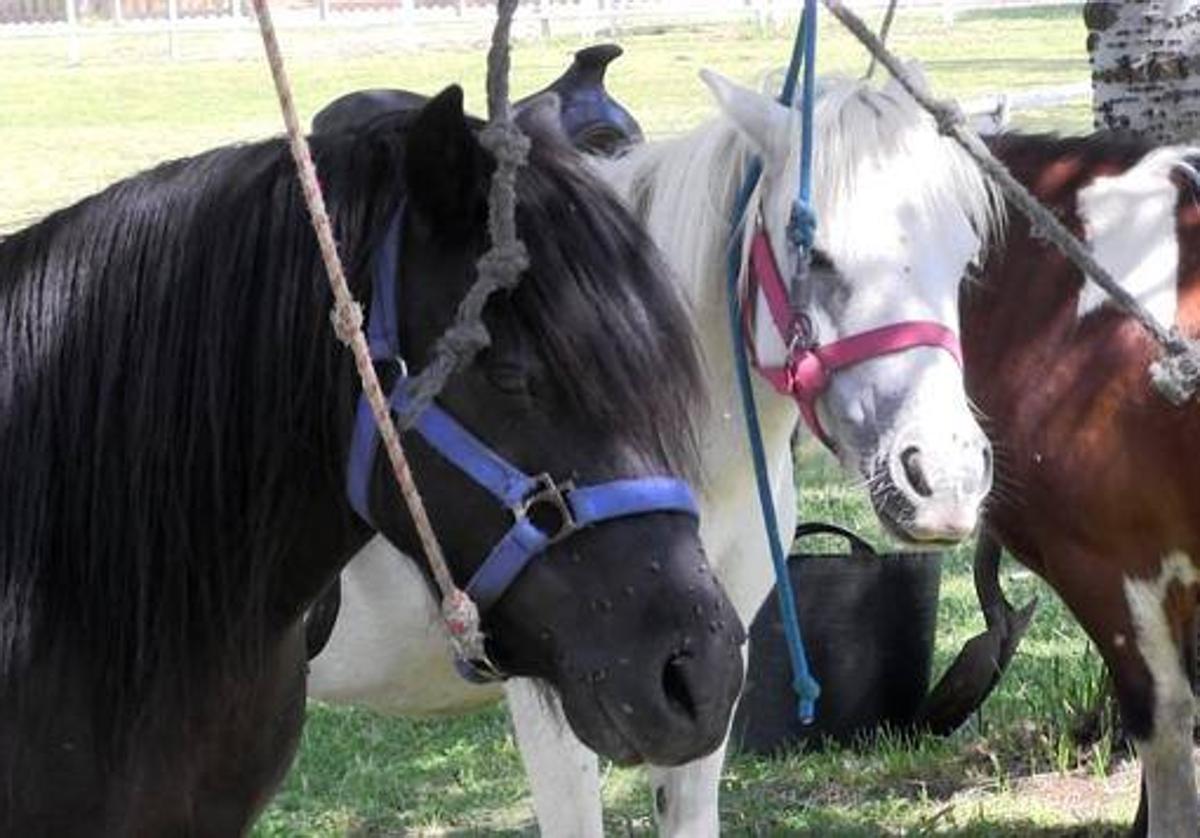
x=684, y=188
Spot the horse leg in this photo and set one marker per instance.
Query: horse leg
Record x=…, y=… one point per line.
x=563, y=774
x=1141, y=821
x=1137, y=623
x=1162, y=612
x=685, y=797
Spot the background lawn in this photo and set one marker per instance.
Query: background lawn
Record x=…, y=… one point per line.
x=1016, y=770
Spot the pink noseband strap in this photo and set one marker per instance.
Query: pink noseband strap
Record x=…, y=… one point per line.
x=806, y=373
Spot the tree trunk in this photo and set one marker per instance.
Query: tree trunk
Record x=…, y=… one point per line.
x=1145, y=58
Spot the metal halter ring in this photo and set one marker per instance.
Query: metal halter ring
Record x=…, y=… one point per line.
x=478, y=670
x=804, y=333
x=550, y=497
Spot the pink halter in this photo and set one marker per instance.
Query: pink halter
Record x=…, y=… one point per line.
x=806, y=373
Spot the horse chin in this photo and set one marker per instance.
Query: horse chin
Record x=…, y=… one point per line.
x=914, y=527
x=615, y=735
x=911, y=535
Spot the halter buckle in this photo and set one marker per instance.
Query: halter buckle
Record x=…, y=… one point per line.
x=548, y=508
x=803, y=337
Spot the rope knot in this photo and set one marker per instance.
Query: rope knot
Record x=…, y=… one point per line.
x=462, y=344
x=507, y=143
x=462, y=621
x=802, y=226
x=948, y=116
x=347, y=319
x=503, y=264
x=1177, y=376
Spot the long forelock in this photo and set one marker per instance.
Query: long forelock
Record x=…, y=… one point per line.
x=864, y=132
x=613, y=329
x=684, y=188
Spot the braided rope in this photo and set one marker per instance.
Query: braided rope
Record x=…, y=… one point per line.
x=1177, y=376
x=885, y=29
x=500, y=268
x=462, y=618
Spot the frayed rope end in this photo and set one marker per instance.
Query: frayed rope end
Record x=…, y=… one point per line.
x=462, y=619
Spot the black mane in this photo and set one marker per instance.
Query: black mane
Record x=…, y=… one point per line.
x=171, y=395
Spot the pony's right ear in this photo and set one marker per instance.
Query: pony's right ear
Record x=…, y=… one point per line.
x=445, y=168
x=756, y=117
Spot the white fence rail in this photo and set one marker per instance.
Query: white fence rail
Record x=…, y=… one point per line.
x=992, y=114
x=415, y=21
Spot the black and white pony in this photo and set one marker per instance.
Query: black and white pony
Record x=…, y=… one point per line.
x=900, y=210
x=175, y=414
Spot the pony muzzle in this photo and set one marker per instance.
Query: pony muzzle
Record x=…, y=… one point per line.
x=932, y=485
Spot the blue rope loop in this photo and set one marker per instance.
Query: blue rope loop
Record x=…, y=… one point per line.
x=801, y=235
x=802, y=227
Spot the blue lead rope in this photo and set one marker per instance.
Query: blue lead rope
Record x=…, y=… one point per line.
x=801, y=230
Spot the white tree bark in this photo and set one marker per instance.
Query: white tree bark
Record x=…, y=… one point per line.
x=1145, y=58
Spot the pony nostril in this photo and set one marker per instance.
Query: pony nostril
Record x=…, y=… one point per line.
x=987, y=465
x=675, y=685
x=910, y=459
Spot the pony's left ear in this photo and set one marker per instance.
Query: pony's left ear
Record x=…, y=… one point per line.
x=758, y=118
x=445, y=168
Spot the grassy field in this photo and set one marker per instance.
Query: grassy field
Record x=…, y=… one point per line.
x=67, y=131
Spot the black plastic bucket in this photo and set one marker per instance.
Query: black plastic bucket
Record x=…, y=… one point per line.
x=868, y=621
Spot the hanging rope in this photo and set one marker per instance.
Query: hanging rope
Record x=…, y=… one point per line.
x=801, y=230
x=885, y=29
x=1176, y=376
x=500, y=267
x=460, y=613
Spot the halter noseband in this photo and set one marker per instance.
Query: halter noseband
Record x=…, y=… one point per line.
x=809, y=366
x=544, y=511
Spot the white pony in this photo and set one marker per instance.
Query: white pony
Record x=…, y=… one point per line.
x=900, y=210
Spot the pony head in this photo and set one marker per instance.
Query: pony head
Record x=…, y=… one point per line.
x=900, y=213
x=591, y=375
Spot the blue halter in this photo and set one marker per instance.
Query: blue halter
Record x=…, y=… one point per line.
x=570, y=508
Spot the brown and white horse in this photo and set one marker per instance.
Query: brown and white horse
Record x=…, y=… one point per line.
x=1098, y=476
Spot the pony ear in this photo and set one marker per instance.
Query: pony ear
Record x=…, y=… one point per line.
x=541, y=116
x=758, y=118
x=915, y=70
x=444, y=167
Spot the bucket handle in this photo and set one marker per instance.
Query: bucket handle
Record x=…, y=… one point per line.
x=857, y=543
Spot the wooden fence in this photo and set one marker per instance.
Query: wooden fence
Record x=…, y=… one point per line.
x=411, y=22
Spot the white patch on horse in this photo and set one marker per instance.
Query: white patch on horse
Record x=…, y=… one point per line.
x=1129, y=221
x=1167, y=755
x=564, y=775
x=389, y=649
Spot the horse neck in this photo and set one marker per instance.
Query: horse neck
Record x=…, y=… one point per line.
x=1026, y=284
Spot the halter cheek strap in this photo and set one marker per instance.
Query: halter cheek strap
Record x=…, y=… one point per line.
x=544, y=511
x=806, y=373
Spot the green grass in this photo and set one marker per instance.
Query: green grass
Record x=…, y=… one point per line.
x=68, y=131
